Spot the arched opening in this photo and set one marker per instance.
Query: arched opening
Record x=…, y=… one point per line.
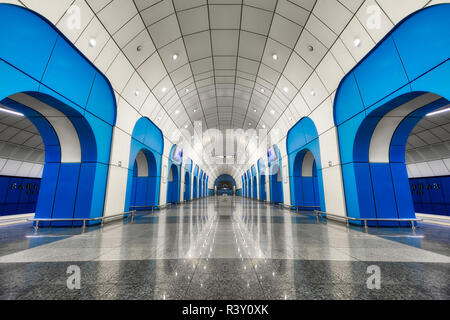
x=73, y=115
x=380, y=148
x=305, y=166
x=173, y=185
x=276, y=178
x=262, y=180
x=375, y=118
x=306, y=184
x=225, y=185
x=187, y=186
x=145, y=180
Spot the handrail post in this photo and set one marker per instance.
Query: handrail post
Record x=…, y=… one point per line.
x=365, y=226
x=36, y=227
x=84, y=225
x=348, y=223
x=413, y=225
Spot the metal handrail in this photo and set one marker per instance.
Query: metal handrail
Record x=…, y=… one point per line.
x=102, y=219
x=348, y=219
x=151, y=207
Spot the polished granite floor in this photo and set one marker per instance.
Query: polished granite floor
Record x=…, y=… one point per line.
x=224, y=248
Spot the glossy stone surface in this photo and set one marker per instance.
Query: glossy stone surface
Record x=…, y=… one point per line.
x=224, y=248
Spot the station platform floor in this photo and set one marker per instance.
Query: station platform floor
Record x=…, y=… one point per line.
x=225, y=248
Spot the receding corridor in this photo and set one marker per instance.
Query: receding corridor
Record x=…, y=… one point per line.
x=224, y=248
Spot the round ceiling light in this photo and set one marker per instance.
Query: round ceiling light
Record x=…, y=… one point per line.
x=275, y=57
x=92, y=42
x=357, y=42
x=174, y=57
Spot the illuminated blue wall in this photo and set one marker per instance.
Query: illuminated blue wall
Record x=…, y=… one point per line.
x=306, y=192
x=410, y=61
x=35, y=58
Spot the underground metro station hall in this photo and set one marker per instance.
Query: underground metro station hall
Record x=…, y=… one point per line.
x=229, y=150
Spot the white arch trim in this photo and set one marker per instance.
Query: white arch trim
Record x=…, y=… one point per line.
x=67, y=134
x=381, y=139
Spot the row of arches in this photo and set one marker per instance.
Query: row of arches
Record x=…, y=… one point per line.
x=374, y=120
x=145, y=175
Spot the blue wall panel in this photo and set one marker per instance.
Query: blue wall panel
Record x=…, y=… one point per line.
x=431, y=195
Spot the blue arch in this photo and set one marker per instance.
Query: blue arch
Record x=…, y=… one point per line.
x=58, y=74
x=249, y=184
x=195, y=183
x=276, y=175
x=174, y=179
x=200, y=184
x=187, y=179
x=415, y=55
x=306, y=191
x=262, y=179
x=254, y=182
x=144, y=191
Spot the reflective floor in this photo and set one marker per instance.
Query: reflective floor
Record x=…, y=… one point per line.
x=225, y=248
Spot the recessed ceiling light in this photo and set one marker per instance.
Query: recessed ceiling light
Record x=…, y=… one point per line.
x=286, y=89
x=92, y=42
x=177, y=111
x=136, y=93
x=262, y=90
x=174, y=57
x=357, y=42
x=186, y=126
x=249, y=123
x=313, y=93
x=195, y=110
x=164, y=89
x=254, y=110
x=275, y=57
x=310, y=48
x=264, y=126
x=159, y=118
x=272, y=111
x=187, y=90
x=290, y=118
x=139, y=48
